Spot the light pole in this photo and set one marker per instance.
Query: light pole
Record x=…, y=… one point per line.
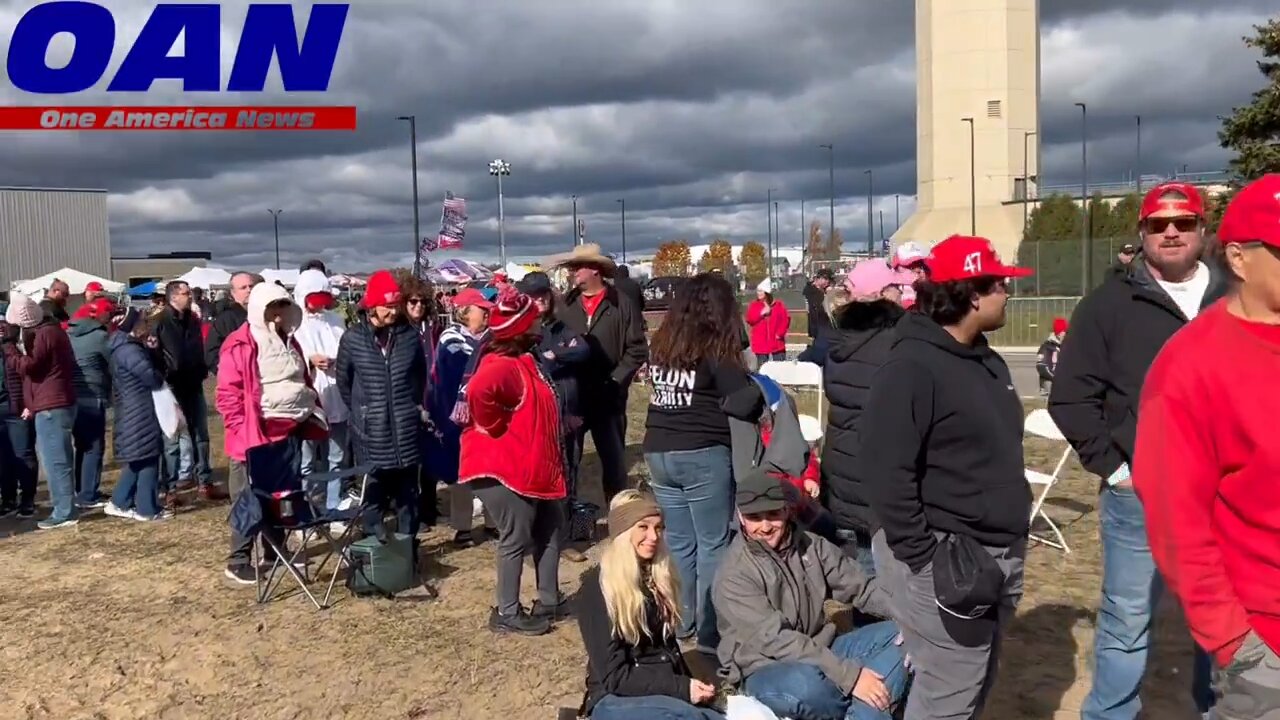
x=804, y=239
x=1137, y=155
x=778, y=239
x=275, y=222
x=498, y=168
x=897, y=212
x=831, y=153
x=871, y=228
x=624, y=229
x=413, y=158
x=574, y=230
x=1086, y=267
x=973, y=180
x=768, y=213
x=1026, y=178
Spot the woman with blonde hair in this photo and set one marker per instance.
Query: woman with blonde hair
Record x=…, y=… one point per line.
x=629, y=614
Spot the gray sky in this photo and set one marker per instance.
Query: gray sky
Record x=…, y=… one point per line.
x=689, y=111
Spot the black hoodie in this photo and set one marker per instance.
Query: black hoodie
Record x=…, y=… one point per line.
x=947, y=434
x=859, y=345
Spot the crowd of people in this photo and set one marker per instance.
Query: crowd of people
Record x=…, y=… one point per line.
x=911, y=505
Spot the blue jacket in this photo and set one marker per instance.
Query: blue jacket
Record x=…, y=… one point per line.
x=570, y=352
x=384, y=392
x=92, y=378
x=453, y=355
x=135, y=430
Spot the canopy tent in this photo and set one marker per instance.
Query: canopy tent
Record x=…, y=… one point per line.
x=516, y=272
x=288, y=277
x=205, y=277
x=75, y=280
x=146, y=289
x=458, y=270
x=345, y=282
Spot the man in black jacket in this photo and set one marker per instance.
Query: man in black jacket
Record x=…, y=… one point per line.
x=612, y=326
x=946, y=480
x=233, y=314
x=815, y=294
x=54, y=303
x=622, y=280
x=180, y=343
x=1116, y=332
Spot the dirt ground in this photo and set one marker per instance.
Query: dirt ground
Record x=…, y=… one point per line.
x=113, y=619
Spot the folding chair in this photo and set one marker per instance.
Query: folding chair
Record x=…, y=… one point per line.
x=282, y=502
x=796, y=374
x=1040, y=424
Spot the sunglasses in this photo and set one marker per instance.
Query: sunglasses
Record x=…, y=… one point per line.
x=415, y=301
x=1155, y=226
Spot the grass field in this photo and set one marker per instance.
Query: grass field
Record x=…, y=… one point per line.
x=115, y=619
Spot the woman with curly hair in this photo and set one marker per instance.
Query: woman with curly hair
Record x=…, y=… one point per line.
x=417, y=307
x=698, y=377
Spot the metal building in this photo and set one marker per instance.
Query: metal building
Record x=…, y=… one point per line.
x=46, y=229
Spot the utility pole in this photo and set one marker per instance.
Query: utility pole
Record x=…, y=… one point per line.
x=417, y=226
x=973, y=180
x=574, y=231
x=498, y=168
x=831, y=169
x=871, y=230
x=1086, y=254
x=275, y=222
x=624, y=229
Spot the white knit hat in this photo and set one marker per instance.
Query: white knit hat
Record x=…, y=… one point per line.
x=765, y=286
x=23, y=311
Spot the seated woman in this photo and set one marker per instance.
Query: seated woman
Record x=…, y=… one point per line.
x=629, y=614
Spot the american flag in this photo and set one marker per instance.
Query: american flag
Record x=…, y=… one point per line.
x=453, y=223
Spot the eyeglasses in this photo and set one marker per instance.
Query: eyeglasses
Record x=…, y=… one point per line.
x=1157, y=225
x=415, y=301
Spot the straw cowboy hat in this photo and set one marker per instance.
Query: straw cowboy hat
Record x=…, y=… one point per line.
x=588, y=255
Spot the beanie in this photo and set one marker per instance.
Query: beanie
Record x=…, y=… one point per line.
x=1059, y=325
x=381, y=291
x=512, y=315
x=23, y=311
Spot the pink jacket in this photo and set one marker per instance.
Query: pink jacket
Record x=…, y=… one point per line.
x=239, y=392
x=768, y=332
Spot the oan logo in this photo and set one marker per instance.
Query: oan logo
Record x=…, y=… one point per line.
x=269, y=32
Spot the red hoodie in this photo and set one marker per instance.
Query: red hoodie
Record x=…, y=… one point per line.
x=1207, y=468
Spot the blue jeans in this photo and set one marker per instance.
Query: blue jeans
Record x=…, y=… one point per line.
x=57, y=457
x=1131, y=590
x=320, y=456
x=88, y=434
x=695, y=488
x=139, y=487
x=801, y=691
x=650, y=707
x=196, y=412
x=18, y=469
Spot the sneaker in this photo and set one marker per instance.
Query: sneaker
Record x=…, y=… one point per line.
x=171, y=502
x=112, y=510
x=90, y=505
x=522, y=623
x=462, y=539
x=550, y=613
x=241, y=575
x=51, y=523
x=7, y=509
x=212, y=493
x=184, y=485
x=573, y=555
x=26, y=509
x=162, y=515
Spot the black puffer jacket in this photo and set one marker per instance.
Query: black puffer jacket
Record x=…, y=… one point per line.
x=860, y=342
x=384, y=391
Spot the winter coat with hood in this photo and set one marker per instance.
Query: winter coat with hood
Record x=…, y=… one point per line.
x=768, y=332
x=10, y=380
x=239, y=391
x=92, y=379
x=770, y=605
x=320, y=333
x=135, y=372
x=382, y=377
x=1047, y=357
x=47, y=368
x=860, y=343
x=452, y=358
x=946, y=425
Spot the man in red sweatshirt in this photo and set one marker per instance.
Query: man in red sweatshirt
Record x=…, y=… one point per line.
x=1207, y=467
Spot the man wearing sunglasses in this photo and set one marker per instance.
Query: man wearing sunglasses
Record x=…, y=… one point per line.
x=1206, y=469
x=1116, y=332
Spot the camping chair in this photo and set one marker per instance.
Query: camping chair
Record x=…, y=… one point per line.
x=1040, y=424
x=281, y=501
x=795, y=374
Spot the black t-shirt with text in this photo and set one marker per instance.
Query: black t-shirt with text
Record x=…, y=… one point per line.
x=684, y=409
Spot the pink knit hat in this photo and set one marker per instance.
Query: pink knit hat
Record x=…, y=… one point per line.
x=23, y=311
x=871, y=276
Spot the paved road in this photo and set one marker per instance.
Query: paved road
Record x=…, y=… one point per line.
x=1022, y=366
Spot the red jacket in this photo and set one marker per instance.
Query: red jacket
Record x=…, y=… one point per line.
x=46, y=369
x=1207, y=468
x=768, y=332
x=514, y=434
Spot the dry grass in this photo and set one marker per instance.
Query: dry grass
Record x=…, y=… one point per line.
x=119, y=620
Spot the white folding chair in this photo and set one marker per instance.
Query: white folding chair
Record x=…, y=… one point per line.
x=795, y=374
x=1040, y=424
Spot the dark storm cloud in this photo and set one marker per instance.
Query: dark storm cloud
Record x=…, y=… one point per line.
x=690, y=111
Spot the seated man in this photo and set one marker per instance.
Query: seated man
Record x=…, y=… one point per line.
x=776, y=641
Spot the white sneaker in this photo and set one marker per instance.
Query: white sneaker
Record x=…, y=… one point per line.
x=346, y=503
x=121, y=513
x=158, y=517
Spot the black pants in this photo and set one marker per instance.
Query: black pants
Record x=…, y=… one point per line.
x=392, y=489
x=242, y=547
x=607, y=433
x=428, y=509
x=18, y=469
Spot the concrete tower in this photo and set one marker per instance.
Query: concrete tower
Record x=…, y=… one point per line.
x=975, y=59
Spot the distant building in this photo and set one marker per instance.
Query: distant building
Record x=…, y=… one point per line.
x=136, y=270
x=46, y=229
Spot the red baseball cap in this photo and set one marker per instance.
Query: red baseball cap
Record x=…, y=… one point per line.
x=94, y=286
x=1155, y=204
x=961, y=257
x=1254, y=214
x=472, y=296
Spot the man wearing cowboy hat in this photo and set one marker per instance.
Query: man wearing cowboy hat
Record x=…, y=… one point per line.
x=613, y=327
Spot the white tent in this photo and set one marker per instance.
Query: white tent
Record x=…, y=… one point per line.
x=205, y=277
x=288, y=277
x=75, y=280
x=516, y=272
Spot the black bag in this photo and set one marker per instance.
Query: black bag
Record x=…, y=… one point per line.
x=582, y=521
x=967, y=581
